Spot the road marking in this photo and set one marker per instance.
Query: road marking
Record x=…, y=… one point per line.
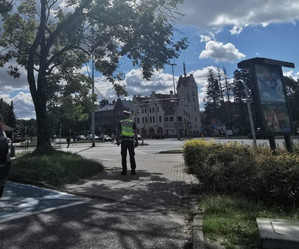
x=20, y=200
x=25, y=214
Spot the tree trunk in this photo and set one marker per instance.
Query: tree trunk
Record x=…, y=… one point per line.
x=43, y=129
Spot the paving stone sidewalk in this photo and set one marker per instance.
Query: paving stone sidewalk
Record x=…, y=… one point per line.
x=161, y=181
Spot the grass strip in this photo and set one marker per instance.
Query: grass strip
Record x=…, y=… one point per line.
x=56, y=169
x=231, y=221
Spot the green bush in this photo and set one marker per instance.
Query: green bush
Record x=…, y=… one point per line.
x=235, y=168
x=56, y=169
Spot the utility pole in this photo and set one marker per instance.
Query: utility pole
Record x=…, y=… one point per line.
x=249, y=113
x=92, y=93
x=175, y=103
x=228, y=99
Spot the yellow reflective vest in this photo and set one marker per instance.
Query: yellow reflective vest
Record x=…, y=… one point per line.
x=127, y=128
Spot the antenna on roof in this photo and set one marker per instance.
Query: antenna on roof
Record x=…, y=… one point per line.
x=184, y=66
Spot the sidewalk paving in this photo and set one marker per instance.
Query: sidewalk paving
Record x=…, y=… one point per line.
x=148, y=210
x=161, y=181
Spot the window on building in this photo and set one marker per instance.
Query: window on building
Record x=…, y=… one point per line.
x=154, y=120
x=137, y=120
x=142, y=110
x=171, y=119
x=143, y=120
x=166, y=119
x=153, y=109
x=157, y=108
x=150, y=119
x=160, y=119
x=132, y=111
x=150, y=110
x=180, y=119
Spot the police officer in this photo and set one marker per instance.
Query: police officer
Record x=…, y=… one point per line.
x=126, y=133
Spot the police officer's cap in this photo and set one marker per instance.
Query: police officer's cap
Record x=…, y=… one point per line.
x=126, y=112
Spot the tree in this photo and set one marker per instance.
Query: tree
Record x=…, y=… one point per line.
x=292, y=89
x=7, y=113
x=213, y=97
x=52, y=43
x=5, y=6
x=104, y=102
x=240, y=117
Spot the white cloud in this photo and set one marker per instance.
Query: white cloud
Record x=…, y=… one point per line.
x=213, y=14
x=291, y=73
x=160, y=82
x=221, y=52
x=205, y=38
x=23, y=105
x=237, y=29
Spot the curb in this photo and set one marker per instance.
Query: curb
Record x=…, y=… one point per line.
x=197, y=233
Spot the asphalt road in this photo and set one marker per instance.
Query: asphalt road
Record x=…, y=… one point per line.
x=20, y=200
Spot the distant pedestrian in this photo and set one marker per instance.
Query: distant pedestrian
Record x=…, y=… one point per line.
x=112, y=138
x=127, y=137
x=74, y=140
x=68, y=140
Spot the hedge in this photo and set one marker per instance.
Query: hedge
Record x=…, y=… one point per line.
x=235, y=168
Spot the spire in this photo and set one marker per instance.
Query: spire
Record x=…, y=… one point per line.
x=184, y=66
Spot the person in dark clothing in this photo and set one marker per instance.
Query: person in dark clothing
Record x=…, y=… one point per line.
x=4, y=160
x=127, y=137
x=68, y=140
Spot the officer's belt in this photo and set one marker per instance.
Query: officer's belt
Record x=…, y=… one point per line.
x=127, y=138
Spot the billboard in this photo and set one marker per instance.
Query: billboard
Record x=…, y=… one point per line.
x=273, y=102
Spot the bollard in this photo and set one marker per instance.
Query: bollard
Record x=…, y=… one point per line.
x=12, y=151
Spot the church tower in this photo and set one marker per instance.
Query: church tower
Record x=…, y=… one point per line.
x=188, y=105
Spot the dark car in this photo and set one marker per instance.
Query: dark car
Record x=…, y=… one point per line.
x=4, y=160
x=258, y=135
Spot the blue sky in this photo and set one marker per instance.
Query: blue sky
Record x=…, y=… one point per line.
x=220, y=33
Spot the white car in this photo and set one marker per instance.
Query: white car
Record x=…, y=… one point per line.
x=106, y=138
x=89, y=136
x=81, y=137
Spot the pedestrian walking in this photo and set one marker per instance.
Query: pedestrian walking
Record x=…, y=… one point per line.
x=127, y=137
x=74, y=140
x=68, y=140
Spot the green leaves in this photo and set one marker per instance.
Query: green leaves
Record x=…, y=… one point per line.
x=53, y=44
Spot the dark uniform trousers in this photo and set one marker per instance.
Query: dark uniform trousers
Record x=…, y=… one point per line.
x=128, y=144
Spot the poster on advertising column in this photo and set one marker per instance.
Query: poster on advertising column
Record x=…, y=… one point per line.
x=274, y=106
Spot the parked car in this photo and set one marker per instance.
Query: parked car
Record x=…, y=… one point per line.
x=81, y=137
x=89, y=136
x=17, y=139
x=106, y=138
x=4, y=160
x=258, y=135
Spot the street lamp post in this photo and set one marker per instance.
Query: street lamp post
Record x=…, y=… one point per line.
x=175, y=103
x=249, y=113
x=92, y=93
